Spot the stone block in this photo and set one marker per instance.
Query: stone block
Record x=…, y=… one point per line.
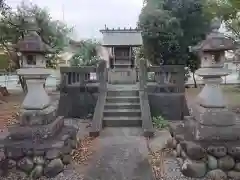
x=216, y=133
x=193, y=150
x=214, y=116
x=16, y=149
x=234, y=151
x=38, y=117
x=36, y=132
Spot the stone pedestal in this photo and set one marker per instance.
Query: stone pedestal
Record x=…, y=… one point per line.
x=207, y=143
x=36, y=97
x=40, y=143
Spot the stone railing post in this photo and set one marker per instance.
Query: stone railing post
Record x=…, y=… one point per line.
x=142, y=75
x=101, y=73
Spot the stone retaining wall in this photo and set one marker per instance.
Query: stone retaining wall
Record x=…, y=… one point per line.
x=75, y=103
x=212, y=161
x=171, y=106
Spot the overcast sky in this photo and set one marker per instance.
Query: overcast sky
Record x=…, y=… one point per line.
x=88, y=16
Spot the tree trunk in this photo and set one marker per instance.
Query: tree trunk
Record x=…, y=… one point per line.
x=195, y=83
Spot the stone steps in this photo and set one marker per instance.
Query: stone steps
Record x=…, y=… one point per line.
x=122, y=121
x=122, y=112
x=123, y=99
x=113, y=93
x=122, y=109
x=122, y=105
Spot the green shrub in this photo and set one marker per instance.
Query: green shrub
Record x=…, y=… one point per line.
x=159, y=122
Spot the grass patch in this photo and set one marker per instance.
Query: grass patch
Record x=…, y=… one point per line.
x=160, y=123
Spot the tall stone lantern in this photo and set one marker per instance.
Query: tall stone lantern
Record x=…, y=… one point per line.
x=212, y=55
x=210, y=109
x=33, y=67
x=209, y=139
x=40, y=143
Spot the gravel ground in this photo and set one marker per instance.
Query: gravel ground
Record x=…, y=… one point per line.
x=69, y=174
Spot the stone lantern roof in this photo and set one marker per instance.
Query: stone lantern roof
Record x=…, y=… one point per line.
x=32, y=42
x=215, y=41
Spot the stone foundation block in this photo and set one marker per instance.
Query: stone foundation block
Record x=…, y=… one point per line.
x=214, y=116
x=38, y=117
x=36, y=132
x=42, y=158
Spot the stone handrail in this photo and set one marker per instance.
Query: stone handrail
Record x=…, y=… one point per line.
x=73, y=75
x=99, y=108
x=146, y=117
x=144, y=102
x=167, y=76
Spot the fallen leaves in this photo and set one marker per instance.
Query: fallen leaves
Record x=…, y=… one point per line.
x=84, y=150
x=157, y=162
x=8, y=114
x=157, y=159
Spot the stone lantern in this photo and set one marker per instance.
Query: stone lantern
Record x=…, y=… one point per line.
x=33, y=67
x=41, y=135
x=211, y=108
x=212, y=54
x=208, y=140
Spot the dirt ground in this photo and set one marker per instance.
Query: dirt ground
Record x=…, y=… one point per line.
x=9, y=107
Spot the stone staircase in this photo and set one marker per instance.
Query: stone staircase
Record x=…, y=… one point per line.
x=122, y=109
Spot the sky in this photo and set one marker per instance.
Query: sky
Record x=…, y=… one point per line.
x=89, y=16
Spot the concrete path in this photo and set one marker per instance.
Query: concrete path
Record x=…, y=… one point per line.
x=122, y=155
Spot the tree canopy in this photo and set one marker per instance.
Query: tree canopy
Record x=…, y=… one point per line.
x=12, y=27
x=228, y=11
x=169, y=27
x=87, y=53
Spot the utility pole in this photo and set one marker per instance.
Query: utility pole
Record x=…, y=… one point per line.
x=63, y=14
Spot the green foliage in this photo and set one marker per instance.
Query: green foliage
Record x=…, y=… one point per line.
x=228, y=12
x=87, y=54
x=169, y=27
x=193, y=62
x=12, y=27
x=160, y=123
x=224, y=9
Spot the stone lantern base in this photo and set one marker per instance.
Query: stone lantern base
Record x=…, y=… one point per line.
x=41, y=144
x=207, y=150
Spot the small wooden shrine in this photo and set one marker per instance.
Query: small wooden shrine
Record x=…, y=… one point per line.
x=121, y=43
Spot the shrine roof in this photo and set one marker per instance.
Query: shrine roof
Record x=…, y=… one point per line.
x=121, y=37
